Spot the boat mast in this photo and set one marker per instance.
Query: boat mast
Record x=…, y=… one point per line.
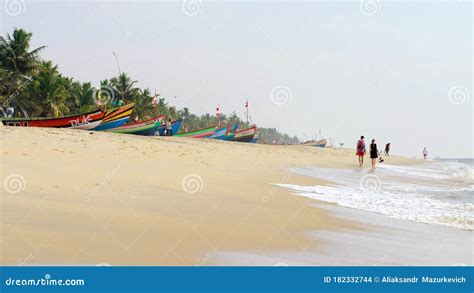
x=116, y=61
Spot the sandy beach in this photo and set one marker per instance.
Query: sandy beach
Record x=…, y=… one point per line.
x=77, y=197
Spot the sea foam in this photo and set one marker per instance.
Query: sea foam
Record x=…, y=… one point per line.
x=442, y=193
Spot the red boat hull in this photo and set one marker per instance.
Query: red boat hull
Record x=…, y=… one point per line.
x=82, y=121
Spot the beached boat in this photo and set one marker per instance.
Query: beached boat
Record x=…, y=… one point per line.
x=116, y=117
x=175, y=126
x=254, y=139
x=223, y=133
x=200, y=133
x=318, y=143
x=82, y=121
x=245, y=135
x=219, y=133
x=147, y=127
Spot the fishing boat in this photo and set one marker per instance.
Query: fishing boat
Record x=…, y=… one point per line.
x=245, y=135
x=175, y=126
x=116, y=117
x=147, y=127
x=316, y=143
x=82, y=121
x=255, y=138
x=223, y=133
x=200, y=133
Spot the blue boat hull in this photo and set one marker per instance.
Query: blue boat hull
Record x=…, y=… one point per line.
x=220, y=133
x=175, y=126
x=112, y=124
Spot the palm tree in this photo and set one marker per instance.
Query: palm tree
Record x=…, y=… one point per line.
x=19, y=63
x=143, y=104
x=80, y=97
x=48, y=93
x=124, y=87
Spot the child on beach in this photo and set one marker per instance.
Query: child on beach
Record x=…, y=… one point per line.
x=374, y=153
x=361, y=150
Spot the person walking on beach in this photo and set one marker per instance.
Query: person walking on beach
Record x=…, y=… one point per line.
x=169, y=131
x=387, y=149
x=374, y=153
x=425, y=152
x=361, y=150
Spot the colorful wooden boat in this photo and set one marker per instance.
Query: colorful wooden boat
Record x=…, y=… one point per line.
x=82, y=121
x=245, y=135
x=175, y=126
x=200, y=133
x=223, y=133
x=116, y=117
x=318, y=143
x=229, y=135
x=147, y=127
x=254, y=139
x=219, y=133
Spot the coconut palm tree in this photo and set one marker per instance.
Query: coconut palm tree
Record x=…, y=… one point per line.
x=143, y=105
x=80, y=97
x=48, y=93
x=19, y=63
x=124, y=87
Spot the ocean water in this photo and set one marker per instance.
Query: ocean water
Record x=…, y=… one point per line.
x=440, y=192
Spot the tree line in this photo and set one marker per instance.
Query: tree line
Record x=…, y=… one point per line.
x=34, y=87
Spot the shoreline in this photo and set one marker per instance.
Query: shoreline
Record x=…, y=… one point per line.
x=130, y=200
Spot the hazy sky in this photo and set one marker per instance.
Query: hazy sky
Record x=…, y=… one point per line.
x=394, y=71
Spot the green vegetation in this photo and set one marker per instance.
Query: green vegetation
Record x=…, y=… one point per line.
x=35, y=88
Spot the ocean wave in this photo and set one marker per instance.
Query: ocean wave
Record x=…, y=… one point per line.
x=450, y=171
x=411, y=206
